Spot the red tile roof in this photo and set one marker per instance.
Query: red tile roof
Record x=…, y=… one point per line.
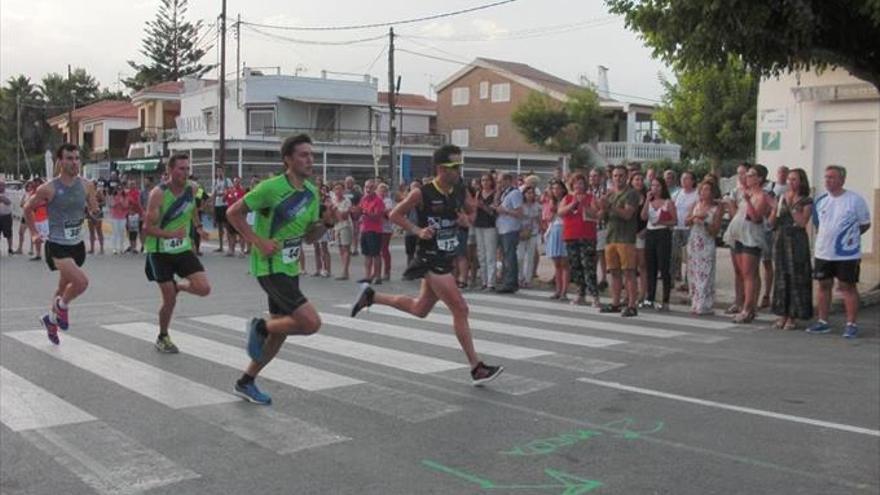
x=108, y=109
x=409, y=100
x=171, y=87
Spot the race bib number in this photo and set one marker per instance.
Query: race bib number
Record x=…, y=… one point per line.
x=447, y=240
x=72, y=231
x=172, y=244
x=290, y=250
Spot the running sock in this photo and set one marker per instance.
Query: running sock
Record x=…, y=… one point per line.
x=61, y=303
x=262, y=331
x=245, y=379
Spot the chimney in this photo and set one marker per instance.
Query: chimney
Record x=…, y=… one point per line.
x=603, y=82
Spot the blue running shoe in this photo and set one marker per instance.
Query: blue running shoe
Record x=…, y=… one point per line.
x=254, y=340
x=850, y=331
x=51, y=329
x=251, y=393
x=819, y=327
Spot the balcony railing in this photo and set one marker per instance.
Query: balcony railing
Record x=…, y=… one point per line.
x=620, y=152
x=353, y=137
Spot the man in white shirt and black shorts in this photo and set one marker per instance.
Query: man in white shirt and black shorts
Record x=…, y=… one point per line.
x=841, y=217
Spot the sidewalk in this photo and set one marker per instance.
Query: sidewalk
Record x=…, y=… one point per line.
x=724, y=291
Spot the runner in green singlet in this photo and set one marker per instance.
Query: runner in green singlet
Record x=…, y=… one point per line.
x=287, y=218
x=171, y=213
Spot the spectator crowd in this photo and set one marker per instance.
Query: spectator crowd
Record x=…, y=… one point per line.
x=640, y=233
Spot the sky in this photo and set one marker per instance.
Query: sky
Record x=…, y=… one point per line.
x=567, y=38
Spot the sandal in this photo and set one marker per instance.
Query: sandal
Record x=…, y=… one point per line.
x=780, y=323
x=732, y=310
x=790, y=325
x=461, y=285
x=744, y=317
x=555, y=296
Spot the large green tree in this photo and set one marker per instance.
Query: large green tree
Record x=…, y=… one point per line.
x=20, y=94
x=171, y=48
x=770, y=36
x=558, y=126
x=710, y=111
x=56, y=89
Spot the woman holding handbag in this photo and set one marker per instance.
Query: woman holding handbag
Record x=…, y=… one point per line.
x=660, y=214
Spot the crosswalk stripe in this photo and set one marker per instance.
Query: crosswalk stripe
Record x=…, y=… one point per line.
x=102, y=457
x=646, y=315
x=603, y=326
x=282, y=371
x=407, y=406
x=161, y=386
x=488, y=347
x=504, y=328
x=508, y=383
x=448, y=340
x=406, y=361
x=25, y=406
x=267, y=427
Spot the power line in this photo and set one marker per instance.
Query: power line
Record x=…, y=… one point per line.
x=382, y=24
x=554, y=81
x=313, y=42
x=521, y=34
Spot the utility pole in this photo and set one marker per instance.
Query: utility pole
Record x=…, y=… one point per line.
x=392, y=130
x=223, y=87
x=18, y=135
x=70, y=134
x=238, y=61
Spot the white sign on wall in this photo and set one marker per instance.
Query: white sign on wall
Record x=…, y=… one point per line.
x=774, y=118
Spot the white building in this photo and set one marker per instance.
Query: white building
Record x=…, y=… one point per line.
x=809, y=120
x=341, y=115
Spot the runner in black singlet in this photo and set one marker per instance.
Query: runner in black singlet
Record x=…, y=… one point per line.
x=438, y=206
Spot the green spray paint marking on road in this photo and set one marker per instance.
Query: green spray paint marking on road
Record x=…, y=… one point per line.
x=619, y=428
x=570, y=484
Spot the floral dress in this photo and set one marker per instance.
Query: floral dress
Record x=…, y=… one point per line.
x=701, y=266
x=792, y=288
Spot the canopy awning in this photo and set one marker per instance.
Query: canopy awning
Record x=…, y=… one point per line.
x=138, y=164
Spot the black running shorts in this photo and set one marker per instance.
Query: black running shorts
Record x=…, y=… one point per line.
x=162, y=267
x=283, y=293
x=843, y=270
x=422, y=264
x=59, y=251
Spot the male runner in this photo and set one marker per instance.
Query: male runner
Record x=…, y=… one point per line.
x=438, y=207
x=65, y=197
x=171, y=212
x=287, y=211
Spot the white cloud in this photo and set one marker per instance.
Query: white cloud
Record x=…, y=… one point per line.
x=489, y=28
x=438, y=29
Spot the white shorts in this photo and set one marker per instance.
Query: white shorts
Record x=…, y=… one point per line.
x=601, y=235
x=43, y=229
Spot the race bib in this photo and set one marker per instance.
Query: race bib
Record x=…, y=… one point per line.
x=447, y=240
x=290, y=250
x=172, y=244
x=72, y=231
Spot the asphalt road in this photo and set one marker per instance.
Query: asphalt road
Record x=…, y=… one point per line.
x=589, y=403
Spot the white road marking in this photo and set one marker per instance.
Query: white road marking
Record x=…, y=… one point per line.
x=406, y=361
x=26, y=406
x=286, y=372
x=429, y=337
x=646, y=315
x=504, y=328
x=105, y=459
x=161, y=386
x=731, y=407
